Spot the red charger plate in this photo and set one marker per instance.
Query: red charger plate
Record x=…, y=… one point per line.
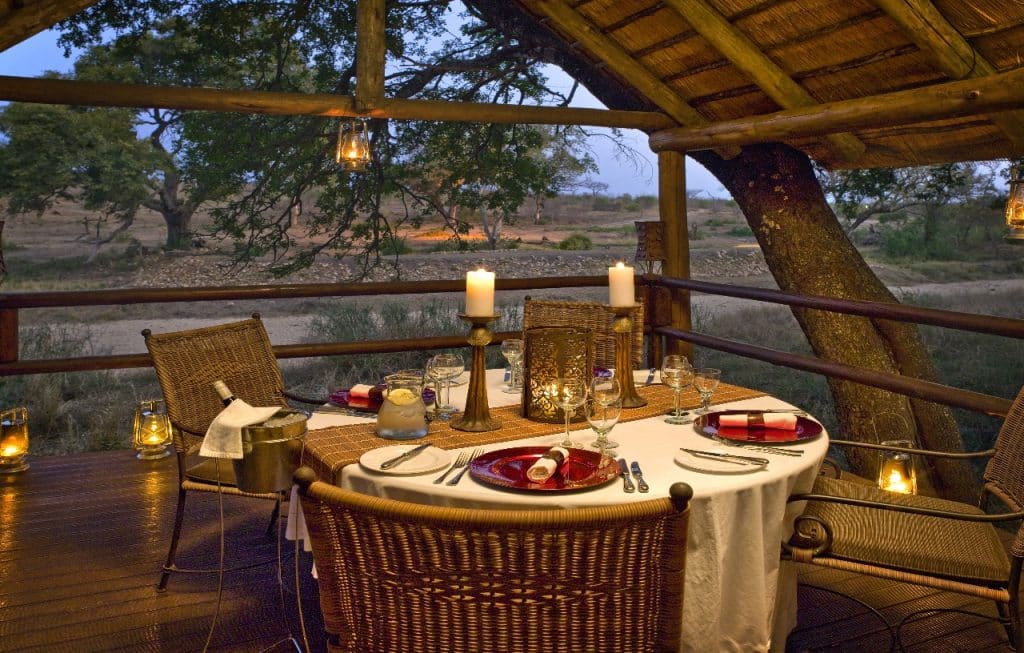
x=506, y=468
x=806, y=429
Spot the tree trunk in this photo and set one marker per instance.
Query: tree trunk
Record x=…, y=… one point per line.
x=808, y=253
x=178, y=234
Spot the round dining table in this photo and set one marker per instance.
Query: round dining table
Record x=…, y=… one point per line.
x=738, y=594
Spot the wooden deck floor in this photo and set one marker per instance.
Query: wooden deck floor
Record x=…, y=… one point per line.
x=82, y=539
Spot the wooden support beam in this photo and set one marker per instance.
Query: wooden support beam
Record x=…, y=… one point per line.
x=992, y=94
x=62, y=91
x=20, y=20
x=925, y=25
x=735, y=46
x=672, y=213
x=370, y=53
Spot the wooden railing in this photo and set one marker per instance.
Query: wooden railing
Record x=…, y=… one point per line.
x=11, y=304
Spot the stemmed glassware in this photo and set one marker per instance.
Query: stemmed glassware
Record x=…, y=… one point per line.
x=444, y=368
x=706, y=380
x=569, y=394
x=605, y=391
x=602, y=417
x=676, y=373
x=512, y=350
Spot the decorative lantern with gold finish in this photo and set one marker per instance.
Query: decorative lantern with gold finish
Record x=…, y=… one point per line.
x=896, y=472
x=151, y=430
x=353, y=151
x=1015, y=205
x=551, y=353
x=13, y=440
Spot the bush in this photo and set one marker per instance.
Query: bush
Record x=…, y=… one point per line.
x=576, y=242
x=741, y=231
x=391, y=245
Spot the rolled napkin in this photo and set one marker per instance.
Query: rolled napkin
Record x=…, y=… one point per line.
x=224, y=436
x=784, y=421
x=547, y=465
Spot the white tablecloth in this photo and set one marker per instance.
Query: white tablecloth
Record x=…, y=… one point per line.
x=737, y=596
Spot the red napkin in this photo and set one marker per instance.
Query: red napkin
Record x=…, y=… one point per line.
x=783, y=421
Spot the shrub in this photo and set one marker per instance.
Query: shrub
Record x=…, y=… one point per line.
x=576, y=242
x=741, y=231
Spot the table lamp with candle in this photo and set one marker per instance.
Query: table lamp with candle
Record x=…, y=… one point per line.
x=479, y=313
x=622, y=299
x=151, y=430
x=13, y=440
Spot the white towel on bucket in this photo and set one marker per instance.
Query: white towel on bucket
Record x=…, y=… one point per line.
x=224, y=437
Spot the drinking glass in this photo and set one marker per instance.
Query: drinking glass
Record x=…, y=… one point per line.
x=676, y=373
x=444, y=368
x=512, y=350
x=605, y=390
x=706, y=380
x=602, y=417
x=569, y=394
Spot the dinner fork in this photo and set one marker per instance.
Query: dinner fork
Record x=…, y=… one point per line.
x=463, y=459
x=465, y=467
x=759, y=448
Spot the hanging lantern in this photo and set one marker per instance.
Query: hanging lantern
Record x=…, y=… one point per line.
x=1015, y=205
x=353, y=151
x=151, y=430
x=896, y=473
x=13, y=440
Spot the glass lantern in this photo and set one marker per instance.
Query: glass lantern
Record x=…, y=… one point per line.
x=896, y=473
x=13, y=440
x=1015, y=205
x=353, y=151
x=151, y=430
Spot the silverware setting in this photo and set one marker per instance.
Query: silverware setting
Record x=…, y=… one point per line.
x=627, y=482
x=650, y=376
x=465, y=467
x=407, y=455
x=799, y=412
x=760, y=448
x=339, y=410
x=641, y=484
x=728, y=457
x=461, y=460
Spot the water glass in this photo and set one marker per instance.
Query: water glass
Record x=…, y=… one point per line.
x=444, y=368
x=605, y=389
x=569, y=394
x=706, y=380
x=512, y=349
x=676, y=373
x=602, y=417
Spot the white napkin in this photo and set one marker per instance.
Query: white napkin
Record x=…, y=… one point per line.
x=547, y=465
x=768, y=420
x=224, y=437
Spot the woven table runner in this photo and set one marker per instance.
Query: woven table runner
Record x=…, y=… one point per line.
x=328, y=450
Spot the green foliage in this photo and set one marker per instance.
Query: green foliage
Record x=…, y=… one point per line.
x=741, y=231
x=393, y=245
x=576, y=242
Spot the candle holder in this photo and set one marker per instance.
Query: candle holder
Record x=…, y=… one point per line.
x=622, y=325
x=896, y=471
x=13, y=440
x=151, y=430
x=477, y=415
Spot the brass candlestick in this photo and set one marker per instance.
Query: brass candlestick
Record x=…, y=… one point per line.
x=477, y=415
x=623, y=328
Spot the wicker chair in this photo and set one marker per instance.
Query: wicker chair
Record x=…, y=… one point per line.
x=186, y=364
x=922, y=540
x=586, y=315
x=401, y=577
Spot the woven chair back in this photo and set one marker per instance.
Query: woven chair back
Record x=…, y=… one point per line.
x=1005, y=470
x=587, y=315
x=188, y=362
x=399, y=577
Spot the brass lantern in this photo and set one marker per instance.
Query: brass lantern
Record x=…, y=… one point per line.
x=151, y=430
x=896, y=472
x=353, y=151
x=13, y=440
x=1015, y=205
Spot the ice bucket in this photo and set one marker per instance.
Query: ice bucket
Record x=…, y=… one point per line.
x=270, y=452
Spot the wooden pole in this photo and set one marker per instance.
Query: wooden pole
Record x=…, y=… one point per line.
x=370, y=54
x=64, y=91
x=992, y=94
x=672, y=212
x=20, y=20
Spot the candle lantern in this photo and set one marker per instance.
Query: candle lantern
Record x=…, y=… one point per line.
x=650, y=244
x=151, y=430
x=1015, y=205
x=551, y=353
x=896, y=471
x=13, y=440
x=353, y=152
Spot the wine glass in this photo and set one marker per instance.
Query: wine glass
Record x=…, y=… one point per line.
x=569, y=394
x=706, y=380
x=605, y=389
x=602, y=417
x=444, y=368
x=676, y=373
x=512, y=350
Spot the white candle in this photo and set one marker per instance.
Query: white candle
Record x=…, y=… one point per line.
x=620, y=285
x=479, y=293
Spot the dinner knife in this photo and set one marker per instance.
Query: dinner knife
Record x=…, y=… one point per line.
x=641, y=484
x=411, y=453
x=627, y=482
x=728, y=457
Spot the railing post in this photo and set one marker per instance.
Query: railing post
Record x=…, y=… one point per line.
x=8, y=335
x=672, y=212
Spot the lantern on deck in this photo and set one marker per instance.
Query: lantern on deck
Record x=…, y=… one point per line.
x=1015, y=205
x=896, y=473
x=353, y=151
x=13, y=440
x=151, y=430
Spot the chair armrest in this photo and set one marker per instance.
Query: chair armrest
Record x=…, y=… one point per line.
x=921, y=452
x=949, y=514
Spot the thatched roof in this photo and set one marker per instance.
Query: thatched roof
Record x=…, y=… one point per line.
x=705, y=62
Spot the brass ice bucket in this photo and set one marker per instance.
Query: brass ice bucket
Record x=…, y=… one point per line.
x=270, y=452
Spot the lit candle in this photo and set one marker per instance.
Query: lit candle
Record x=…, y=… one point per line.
x=155, y=432
x=479, y=293
x=620, y=285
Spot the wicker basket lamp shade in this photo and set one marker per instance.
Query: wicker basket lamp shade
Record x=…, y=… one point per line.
x=551, y=353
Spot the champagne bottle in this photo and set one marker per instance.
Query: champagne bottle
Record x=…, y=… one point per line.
x=226, y=396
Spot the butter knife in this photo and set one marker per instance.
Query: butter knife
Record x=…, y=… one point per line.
x=627, y=482
x=728, y=457
x=411, y=453
x=641, y=484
